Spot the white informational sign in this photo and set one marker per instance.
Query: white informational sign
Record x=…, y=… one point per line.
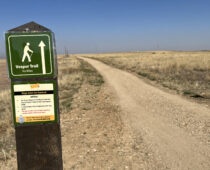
x=34, y=102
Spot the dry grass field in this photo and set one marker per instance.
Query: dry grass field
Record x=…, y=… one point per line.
x=93, y=133
x=95, y=130
x=176, y=128
x=186, y=72
x=4, y=80
x=7, y=141
x=72, y=74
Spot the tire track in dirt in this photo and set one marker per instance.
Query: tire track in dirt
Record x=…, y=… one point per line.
x=175, y=129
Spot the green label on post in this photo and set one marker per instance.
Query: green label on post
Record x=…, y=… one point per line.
x=30, y=54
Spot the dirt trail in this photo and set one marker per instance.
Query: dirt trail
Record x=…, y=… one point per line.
x=176, y=130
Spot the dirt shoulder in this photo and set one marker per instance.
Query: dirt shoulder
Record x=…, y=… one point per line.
x=124, y=123
x=175, y=129
x=94, y=136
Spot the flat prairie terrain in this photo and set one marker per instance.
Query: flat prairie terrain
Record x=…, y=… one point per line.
x=187, y=73
x=173, y=130
x=127, y=118
x=93, y=133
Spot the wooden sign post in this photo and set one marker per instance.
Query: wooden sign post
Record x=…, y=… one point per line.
x=32, y=68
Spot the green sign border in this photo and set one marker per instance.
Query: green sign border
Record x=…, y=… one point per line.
x=55, y=89
x=52, y=54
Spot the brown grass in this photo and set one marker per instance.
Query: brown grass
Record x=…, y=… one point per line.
x=7, y=142
x=72, y=74
x=4, y=80
x=186, y=72
x=3, y=60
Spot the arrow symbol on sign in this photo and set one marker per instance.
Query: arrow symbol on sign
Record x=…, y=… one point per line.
x=42, y=45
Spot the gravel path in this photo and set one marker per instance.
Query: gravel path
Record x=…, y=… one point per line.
x=175, y=129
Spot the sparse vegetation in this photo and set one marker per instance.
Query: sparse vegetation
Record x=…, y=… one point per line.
x=72, y=74
x=7, y=141
x=186, y=72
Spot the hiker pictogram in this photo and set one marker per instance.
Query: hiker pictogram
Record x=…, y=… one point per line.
x=30, y=55
x=26, y=52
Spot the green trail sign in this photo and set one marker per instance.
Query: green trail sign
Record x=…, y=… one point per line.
x=30, y=54
x=32, y=68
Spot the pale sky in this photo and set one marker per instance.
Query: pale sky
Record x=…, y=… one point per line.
x=94, y=26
